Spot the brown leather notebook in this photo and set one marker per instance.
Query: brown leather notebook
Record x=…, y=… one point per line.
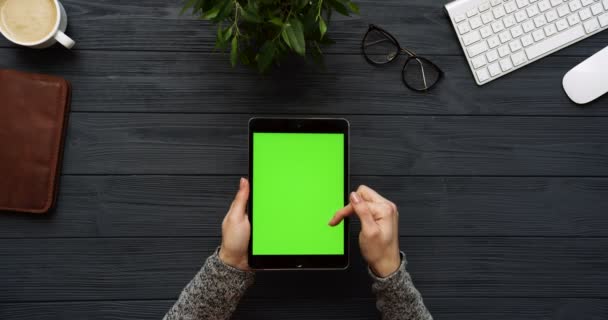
x=33, y=121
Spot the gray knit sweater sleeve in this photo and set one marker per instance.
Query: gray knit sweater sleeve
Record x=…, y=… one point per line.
x=397, y=298
x=213, y=294
x=216, y=289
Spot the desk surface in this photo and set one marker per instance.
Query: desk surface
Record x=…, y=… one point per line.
x=503, y=189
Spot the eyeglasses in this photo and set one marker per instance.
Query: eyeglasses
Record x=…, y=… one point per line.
x=380, y=47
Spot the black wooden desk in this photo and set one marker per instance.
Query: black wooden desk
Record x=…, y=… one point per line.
x=503, y=189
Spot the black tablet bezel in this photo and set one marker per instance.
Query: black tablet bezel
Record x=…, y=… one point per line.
x=298, y=262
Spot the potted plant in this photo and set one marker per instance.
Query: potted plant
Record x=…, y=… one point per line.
x=260, y=32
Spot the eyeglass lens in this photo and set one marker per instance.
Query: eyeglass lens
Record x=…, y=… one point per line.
x=420, y=74
x=379, y=48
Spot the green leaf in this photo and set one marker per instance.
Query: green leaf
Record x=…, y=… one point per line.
x=266, y=55
x=322, y=26
x=276, y=21
x=250, y=15
x=226, y=10
x=234, y=51
x=228, y=33
x=340, y=7
x=293, y=35
x=353, y=7
x=189, y=4
x=211, y=13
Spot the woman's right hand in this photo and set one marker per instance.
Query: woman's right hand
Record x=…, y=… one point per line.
x=379, y=236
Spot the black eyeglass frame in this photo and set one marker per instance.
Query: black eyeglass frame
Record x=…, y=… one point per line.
x=400, y=50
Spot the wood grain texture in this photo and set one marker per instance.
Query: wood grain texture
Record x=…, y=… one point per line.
x=125, y=143
x=300, y=309
x=420, y=25
x=204, y=83
x=158, y=268
x=143, y=206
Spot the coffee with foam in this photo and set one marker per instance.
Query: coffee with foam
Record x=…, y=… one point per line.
x=28, y=21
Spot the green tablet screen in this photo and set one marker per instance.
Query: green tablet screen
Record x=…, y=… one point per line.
x=298, y=185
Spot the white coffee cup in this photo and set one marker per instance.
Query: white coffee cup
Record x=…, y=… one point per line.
x=55, y=35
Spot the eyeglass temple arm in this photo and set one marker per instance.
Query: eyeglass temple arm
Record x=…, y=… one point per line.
x=375, y=42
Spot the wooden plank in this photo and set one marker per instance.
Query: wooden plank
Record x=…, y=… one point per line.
x=143, y=206
x=123, y=143
x=420, y=25
x=338, y=308
x=158, y=268
x=204, y=83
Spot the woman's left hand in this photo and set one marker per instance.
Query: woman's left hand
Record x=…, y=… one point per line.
x=236, y=230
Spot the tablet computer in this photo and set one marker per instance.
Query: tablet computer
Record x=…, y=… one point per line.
x=299, y=175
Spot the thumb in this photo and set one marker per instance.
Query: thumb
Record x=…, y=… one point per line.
x=239, y=205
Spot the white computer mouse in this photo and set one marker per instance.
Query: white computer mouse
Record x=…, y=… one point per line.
x=589, y=79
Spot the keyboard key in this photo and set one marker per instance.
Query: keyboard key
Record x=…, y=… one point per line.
x=555, y=2
x=486, y=17
x=484, y=6
x=540, y=21
x=597, y=9
x=510, y=7
x=493, y=42
x=483, y=75
x=538, y=34
x=485, y=32
x=503, y=51
x=499, y=12
x=585, y=14
x=477, y=49
x=575, y=5
x=528, y=26
x=561, y=39
x=459, y=17
x=603, y=20
x=527, y=40
x=561, y=24
x=494, y=69
x=515, y=45
x=563, y=10
x=472, y=12
x=464, y=27
x=517, y=31
x=492, y=55
x=605, y=2
x=551, y=15
x=591, y=25
x=532, y=10
x=478, y=61
x=497, y=26
x=509, y=21
x=495, y=2
x=586, y=2
x=519, y=58
x=573, y=19
x=471, y=37
x=544, y=5
x=521, y=3
x=550, y=30
x=520, y=16
x=475, y=22
x=504, y=36
x=506, y=64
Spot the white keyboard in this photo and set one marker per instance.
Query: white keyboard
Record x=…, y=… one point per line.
x=500, y=36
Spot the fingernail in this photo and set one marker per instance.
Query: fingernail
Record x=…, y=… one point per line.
x=354, y=198
x=242, y=183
